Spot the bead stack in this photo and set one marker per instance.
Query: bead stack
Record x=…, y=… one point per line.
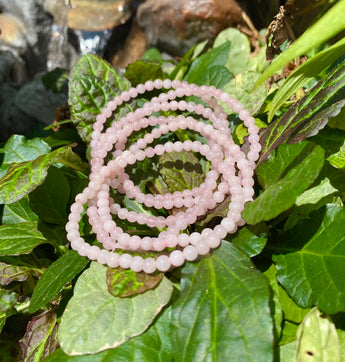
x=231, y=174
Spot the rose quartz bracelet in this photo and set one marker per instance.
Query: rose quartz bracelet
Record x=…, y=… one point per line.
x=231, y=174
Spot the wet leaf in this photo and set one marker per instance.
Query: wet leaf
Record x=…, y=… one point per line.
x=40, y=338
x=142, y=70
x=315, y=194
x=59, y=273
x=94, y=320
x=10, y=273
x=287, y=174
x=310, y=114
x=216, y=314
x=18, y=212
x=310, y=261
x=93, y=83
x=181, y=170
x=213, y=57
x=317, y=339
x=19, y=149
x=22, y=178
x=20, y=238
x=251, y=239
x=126, y=282
x=152, y=345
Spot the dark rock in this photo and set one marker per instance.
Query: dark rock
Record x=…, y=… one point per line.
x=175, y=26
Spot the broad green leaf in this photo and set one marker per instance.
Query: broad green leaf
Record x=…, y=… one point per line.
x=142, y=70
x=213, y=57
x=310, y=261
x=239, y=49
x=19, y=149
x=152, y=54
x=17, y=212
x=218, y=76
x=337, y=159
x=241, y=88
x=289, y=332
x=304, y=73
x=40, y=338
x=61, y=272
x=317, y=339
x=341, y=337
x=291, y=311
x=73, y=160
x=315, y=194
x=10, y=273
x=153, y=345
x=126, y=282
x=310, y=114
x=181, y=170
x=94, y=320
x=338, y=121
x=20, y=238
x=293, y=177
x=287, y=352
x=93, y=83
x=325, y=28
x=8, y=300
x=251, y=239
x=24, y=177
x=277, y=312
x=223, y=310
x=49, y=200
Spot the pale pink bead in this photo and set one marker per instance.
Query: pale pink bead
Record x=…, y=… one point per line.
x=93, y=252
x=158, y=244
x=102, y=256
x=177, y=258
x=190, y=252
x=183, y=240
x=213, y=241
x=146, y=243
x=149, y=265
x=163, y=263
x=125, y=260
x=113, y=260
x=229, y=225
x=134, y=242
x=202, y=247
x=124, y=239
x=137, y=264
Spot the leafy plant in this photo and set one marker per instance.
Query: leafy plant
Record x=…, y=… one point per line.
x=272, y=291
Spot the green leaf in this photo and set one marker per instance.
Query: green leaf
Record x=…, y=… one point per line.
x=287, y=352
x=61, y=272
x=304, y=73
x=241, y=88
x=49, y=200
x=126, y=282
x=93, y=83
x=239, y=49
x=289, y=332
x=19, y=149
x=181, y=170
x=337, y=159
x=142, y=70
x=18, y=212
x=251, y=239
x=40, y=338
x=341, y=337
x=310, y=261
x=152, y=345
x=20, y=238
x=94, y=320
x=213, y=57
x=73, y=160
x=310, y=114
x=8, y=300
x=10, y=273
x=24, y=177
x=292, y=312
x=223, y=310
x=315, y=194
x=296, y=167
x=317, y=339
x=218, y=76
x=152, y=54
x=325, y=28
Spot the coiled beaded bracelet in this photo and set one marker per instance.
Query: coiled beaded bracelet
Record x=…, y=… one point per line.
x=232, y=166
